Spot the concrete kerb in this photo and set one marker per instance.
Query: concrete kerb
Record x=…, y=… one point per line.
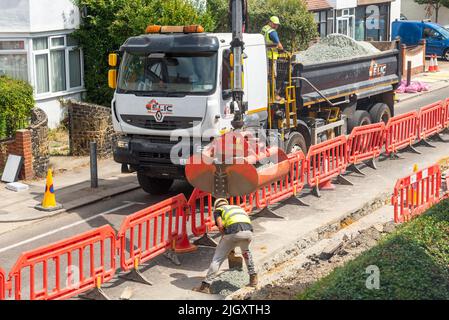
x=296, y=247
x=38, y=215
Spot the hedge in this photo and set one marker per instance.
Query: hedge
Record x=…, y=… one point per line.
x=16, y=102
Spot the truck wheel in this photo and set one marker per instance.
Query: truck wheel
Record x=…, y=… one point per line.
x=446, y=55
x=296, y=142
x=360, y=118
x=380, y=113
x=154, y=186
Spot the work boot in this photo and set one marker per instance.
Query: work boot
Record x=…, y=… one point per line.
x=253, y=280
x=204, y=288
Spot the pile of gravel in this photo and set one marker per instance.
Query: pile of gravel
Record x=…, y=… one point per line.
x=335, y=47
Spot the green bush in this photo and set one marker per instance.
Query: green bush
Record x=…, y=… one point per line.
x=16, y=102
x=110, y=22
x=297, y=24
x=413, y=263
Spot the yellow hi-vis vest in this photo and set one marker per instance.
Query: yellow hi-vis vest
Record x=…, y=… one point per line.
x=233, y=214
x=272, y=53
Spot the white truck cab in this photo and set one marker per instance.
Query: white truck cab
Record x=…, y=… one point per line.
x=173, y=96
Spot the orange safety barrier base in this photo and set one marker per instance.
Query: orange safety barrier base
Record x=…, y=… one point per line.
x=365, y=144
x=325, y=161
x=65, y=259
x=416, y=193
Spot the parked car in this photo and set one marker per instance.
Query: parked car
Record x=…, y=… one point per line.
x=411, y=33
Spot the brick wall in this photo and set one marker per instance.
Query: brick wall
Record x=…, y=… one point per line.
x=32, y=145
x=90, y=123
x=20, y=146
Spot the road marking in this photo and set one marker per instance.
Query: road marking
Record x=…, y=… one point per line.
x=128, y=204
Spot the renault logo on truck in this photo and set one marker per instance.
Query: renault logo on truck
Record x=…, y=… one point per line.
x=159, y=110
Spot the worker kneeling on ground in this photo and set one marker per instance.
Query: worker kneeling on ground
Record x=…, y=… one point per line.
x=237, y=231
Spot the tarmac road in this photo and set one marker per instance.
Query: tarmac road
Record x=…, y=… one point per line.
x=112, y=211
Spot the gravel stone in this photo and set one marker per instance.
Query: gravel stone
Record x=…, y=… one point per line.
x=335, y=47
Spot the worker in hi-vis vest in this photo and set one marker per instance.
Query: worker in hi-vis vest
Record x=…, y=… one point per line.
x=274, y=45
x=236, y=228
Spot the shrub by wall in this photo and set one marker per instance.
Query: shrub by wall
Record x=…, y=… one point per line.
x=16, y=102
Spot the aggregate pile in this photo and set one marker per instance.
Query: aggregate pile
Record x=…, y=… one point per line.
x=335, y=47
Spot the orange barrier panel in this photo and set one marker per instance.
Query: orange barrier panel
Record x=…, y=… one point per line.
x=151, y=231
x=66, y=259
x=247, y=202
x=415, y=193
x=366, y=142
x=401, y=132
x=285, y=187
x=201, y=202
x=446, y=113
x=325, y=161
x=430, y=120
x=2, y=284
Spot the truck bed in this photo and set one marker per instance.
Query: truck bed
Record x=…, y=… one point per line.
x=363, y=76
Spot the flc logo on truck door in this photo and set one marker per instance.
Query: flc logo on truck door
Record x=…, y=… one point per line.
x=159, y=110
x=377, y=70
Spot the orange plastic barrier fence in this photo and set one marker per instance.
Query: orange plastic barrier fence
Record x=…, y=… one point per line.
x=401, y=132
x=326, y=160
x=285, y=187
x=430, y=120
x=151, y=231
x=65, y=260
x=2, y=284
x=201, y=203
x=247, y=202
x=415, y=193
x=366, y=142
x=446, y=113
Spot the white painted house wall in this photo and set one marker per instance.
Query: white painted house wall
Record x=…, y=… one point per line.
x=414, y=11
x=25, y=20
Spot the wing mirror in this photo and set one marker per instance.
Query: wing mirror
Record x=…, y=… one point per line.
x=226, y=94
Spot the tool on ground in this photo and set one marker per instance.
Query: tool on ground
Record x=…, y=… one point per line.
x=234, y=261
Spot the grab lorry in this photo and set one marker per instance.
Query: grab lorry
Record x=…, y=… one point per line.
x=177, y=89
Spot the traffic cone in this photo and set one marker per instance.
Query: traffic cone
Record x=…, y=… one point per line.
x=437, y=68
x=432, y=64
x=49, y=201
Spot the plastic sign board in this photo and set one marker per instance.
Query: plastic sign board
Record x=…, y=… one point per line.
x=12, y=168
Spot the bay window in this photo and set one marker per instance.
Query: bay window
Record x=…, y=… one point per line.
x=58, y=64
x=13, y=59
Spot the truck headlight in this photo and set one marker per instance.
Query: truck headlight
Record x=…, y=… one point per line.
x=123, y=144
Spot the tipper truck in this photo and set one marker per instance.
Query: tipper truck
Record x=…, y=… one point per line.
x=174, y=95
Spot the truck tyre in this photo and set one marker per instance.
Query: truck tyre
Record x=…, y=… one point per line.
x=360, y=118
x=380, y=112
x=296, y=142
x=446, y=55
x=154, y=186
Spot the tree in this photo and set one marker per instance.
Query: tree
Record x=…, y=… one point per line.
x=434, y=5
x=108, y=23
x=297, y=23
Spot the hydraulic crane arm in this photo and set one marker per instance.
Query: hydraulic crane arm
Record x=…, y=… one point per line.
x=238, y=22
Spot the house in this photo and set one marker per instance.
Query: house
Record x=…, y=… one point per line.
x=414, y=11
x=36, y=46
x=359, y=19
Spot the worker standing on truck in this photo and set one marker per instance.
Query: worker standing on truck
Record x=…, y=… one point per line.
x=237, y=231
x=273, y=44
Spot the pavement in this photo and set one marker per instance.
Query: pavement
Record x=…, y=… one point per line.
x=274, y=238
x=435, y=80
x=72, y=188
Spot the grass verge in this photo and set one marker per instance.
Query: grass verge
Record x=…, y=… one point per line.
x=413, y=263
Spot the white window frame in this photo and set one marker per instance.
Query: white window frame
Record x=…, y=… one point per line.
x=50, y=48
x=23, y=51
